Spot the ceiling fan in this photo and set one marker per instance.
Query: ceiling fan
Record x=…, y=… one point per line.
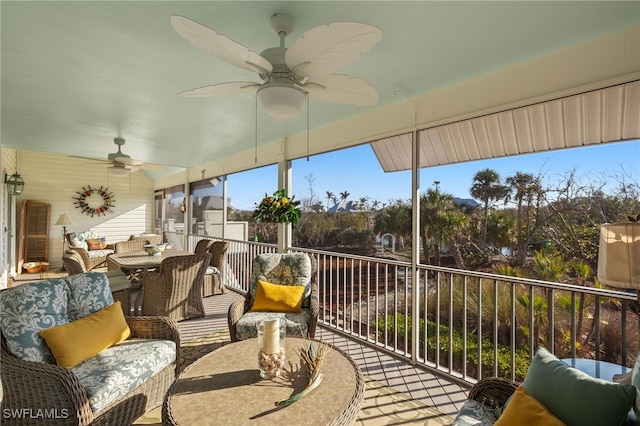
x=122, y=164
x=290, y=74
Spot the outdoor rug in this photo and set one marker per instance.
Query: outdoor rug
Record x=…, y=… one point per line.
x=382, y=405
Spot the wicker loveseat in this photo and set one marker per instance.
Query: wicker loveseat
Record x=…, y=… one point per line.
x=114, y=386
x=552, y=393
x=92, y=256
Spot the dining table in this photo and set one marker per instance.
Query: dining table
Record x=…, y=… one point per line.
x=137, y=263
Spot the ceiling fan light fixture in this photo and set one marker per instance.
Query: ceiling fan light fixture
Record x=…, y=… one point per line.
x=281, y=100
x=118, y=171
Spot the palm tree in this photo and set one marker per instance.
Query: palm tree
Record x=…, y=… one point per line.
x=344, y=195
x=330, y=197
x=527, y=191
x=487, y=188
x=440, y=222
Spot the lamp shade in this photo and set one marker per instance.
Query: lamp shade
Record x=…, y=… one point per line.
x=281, y=100
x=64, y=220
x=15, y=184
x=619, y=255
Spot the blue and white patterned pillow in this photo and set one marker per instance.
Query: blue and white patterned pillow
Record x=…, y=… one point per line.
x=29, y=308
x=89, y=293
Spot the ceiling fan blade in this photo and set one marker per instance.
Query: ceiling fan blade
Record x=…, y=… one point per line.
x=323, y=50
x=342, y=89
x=128, y=161
x=157, y=167
x=220, y=45
x=221, y=89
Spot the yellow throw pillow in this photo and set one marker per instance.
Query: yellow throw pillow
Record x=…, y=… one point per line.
x=523, y=409
x=277, y=298
x=81, y=339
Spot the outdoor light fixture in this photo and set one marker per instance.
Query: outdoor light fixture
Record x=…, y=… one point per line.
x=281, y=99
x=15, y=183
x=619, y=255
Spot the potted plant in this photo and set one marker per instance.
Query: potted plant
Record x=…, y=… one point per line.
x=278, y=208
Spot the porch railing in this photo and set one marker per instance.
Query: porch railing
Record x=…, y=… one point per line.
x=468, y=324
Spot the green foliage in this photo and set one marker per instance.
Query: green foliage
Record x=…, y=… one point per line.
x=278, y=208
x=396, y=324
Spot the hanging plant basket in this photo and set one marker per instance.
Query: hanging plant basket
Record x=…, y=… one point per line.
x=278, y=208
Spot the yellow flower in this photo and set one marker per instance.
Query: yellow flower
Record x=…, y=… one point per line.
x=285, y=202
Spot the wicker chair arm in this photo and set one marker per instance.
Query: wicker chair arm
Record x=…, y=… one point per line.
x=314, y=309
x=493, y=392
x=154, y=327
x=239, y=306
x=23, y=382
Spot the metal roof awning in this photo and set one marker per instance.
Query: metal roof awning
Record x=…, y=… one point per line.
x=600, y=116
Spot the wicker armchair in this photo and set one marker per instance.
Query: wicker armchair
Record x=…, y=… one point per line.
x=493, y=392
x=130, y=246
x=118, y=281
x=213, y=278
x=175, y=290
x=274, y=267
x=92, y=258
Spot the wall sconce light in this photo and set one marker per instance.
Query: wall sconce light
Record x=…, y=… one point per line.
x=15, y=183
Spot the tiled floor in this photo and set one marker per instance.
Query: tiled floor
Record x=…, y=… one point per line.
x=422, y=385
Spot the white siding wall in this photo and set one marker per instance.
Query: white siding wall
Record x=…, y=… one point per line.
x=7, y=218
x=55, y=179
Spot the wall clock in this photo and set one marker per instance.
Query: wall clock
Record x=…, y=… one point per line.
x=94, y=201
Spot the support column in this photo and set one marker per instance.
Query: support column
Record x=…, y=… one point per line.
x=284, y=182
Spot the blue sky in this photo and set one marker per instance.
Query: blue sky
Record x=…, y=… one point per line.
x=357, y=171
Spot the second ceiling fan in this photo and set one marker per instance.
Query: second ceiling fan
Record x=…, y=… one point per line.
x=290, y=74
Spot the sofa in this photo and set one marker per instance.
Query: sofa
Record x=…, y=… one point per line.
x=71, y=357
x=551, y=394
x=91, y=247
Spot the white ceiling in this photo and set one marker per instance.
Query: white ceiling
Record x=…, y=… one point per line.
x=77, y=74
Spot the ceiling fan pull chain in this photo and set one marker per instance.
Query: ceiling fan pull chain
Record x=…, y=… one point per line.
x=308, y=123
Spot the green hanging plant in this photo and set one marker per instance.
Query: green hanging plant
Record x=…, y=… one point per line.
x=278, y=208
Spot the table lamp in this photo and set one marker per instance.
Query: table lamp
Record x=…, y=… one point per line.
x=619, y=255
x=64, y=220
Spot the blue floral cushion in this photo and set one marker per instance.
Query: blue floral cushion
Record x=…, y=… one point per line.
x=297, y=323
x=99, y=253
x=116, y=371
x=473, y=413
x=79, y=239
x=89, y=293
x=29, y=308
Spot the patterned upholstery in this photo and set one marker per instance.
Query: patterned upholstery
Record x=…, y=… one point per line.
x=118, y=281
x=284, y=269
x=115, y=387
x=92, y=258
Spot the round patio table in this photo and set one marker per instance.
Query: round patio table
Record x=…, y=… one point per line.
x=224, y=387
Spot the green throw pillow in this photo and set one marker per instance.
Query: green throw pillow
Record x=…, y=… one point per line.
x=575, y=397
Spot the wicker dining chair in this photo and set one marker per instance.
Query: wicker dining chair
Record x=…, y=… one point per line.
x=175, y=290
x=203, y=246
x=214, y=276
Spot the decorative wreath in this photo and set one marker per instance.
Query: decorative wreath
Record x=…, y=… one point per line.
x=88, y=205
